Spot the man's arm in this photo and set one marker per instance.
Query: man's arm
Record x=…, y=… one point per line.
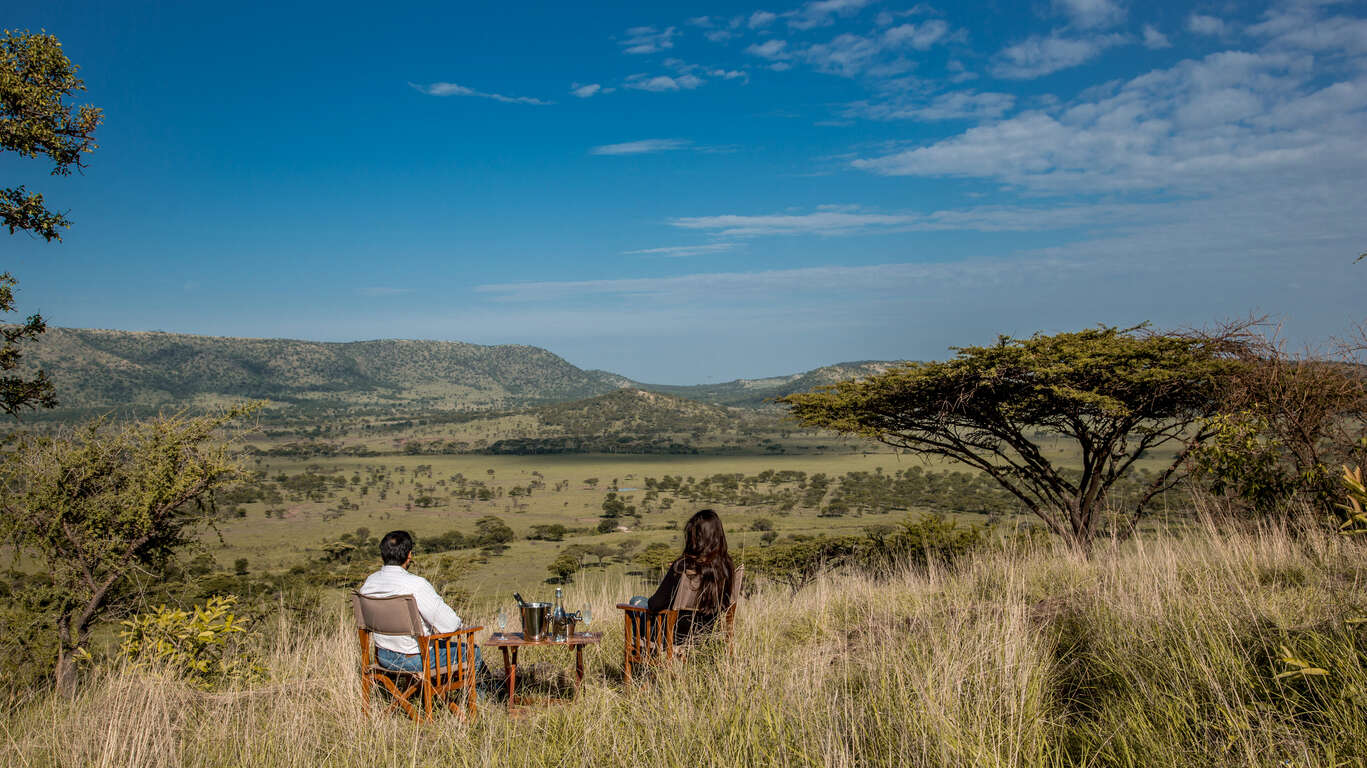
x=434, y=610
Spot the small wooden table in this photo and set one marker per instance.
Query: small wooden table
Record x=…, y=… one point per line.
x=510, y=642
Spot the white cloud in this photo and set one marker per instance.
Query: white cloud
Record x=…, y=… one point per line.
x=819, y=223
x=773, y=50
x=1153, y=39
x=680, y=251
x=846, y=55
x=761, y=19
x=642, y=147
x=1228, y=123
x=822, y=13
x=917, y=36
x=1091, y=14
x=662, y=83
x=642, y=40
x=1041, y=55
x=453, y=89
x=837, y=221
x=1205, y=25
x=878, y=55
x=955, y=105
x=585, y=91
x=1299, y=28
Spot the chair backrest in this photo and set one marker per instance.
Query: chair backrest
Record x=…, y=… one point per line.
x=396, y=615
x=686, y=596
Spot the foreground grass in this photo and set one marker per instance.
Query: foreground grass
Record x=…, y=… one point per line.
x=1160, y=652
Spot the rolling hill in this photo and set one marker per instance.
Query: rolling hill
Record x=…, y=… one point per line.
x=145, y=370
x=139, y=372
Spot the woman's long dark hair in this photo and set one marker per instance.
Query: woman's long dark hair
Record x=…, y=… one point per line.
x=705, y=552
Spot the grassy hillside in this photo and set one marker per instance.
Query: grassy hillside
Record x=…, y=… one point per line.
x=1163, y=651
x=96, y=369
x=137, y=372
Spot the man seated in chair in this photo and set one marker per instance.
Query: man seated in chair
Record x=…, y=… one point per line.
x=399, y=652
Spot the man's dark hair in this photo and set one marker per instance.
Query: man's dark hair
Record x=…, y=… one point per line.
x=395, y=547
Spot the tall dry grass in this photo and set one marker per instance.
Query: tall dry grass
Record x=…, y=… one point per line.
x=1155, y=652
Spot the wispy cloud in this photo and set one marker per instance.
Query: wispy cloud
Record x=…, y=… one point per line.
x=837, y=221
x=1042, y=55
x=954, y=105
x=773, y=50
x=662, y=83
x=585, y=90
x=1227, y=123
x=1091, y=14
x=680, y=251
x=827, y=223
x=1205, y=25
x=642, y=40
x=1153, y=39
x=761, y=19
x=881, y=53
x=822, y=13
x=642, y=147
x=454, y=89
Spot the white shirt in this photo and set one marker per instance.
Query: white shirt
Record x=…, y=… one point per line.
x=437, y=616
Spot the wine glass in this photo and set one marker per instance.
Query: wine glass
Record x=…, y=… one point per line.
x=502, y=619
x=586, y=616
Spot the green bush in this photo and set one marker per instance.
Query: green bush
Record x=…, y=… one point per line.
x=206, y=646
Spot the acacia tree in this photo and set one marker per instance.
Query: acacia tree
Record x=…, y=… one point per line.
x=35, y=78
x=1117, y=393
x=99, y=505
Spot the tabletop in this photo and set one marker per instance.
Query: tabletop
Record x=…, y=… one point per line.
x=516, y=640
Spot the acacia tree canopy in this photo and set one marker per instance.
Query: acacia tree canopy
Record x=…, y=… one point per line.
x=1116, y=392
x=100, y=504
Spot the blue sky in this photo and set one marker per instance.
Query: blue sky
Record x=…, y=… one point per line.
x=701, y=192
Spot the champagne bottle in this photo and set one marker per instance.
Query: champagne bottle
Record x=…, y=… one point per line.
x=519, y=599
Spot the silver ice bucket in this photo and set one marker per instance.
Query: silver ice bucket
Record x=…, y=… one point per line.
x=536, y=620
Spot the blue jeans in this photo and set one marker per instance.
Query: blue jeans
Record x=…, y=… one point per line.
x=403, y=662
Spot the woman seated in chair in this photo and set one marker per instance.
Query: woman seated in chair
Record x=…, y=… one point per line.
x=698, y=584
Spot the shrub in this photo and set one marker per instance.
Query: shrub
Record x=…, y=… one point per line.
x=206, y=646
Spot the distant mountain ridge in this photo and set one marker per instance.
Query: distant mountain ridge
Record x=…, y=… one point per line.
x=146, y=370
x=755, y=393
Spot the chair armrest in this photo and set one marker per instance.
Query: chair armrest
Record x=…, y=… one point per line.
x=461, y=631
x=633, y=608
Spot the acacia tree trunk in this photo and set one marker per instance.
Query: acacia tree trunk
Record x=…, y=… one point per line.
x=66, y=659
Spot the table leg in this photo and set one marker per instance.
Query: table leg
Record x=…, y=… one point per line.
x=578, y=668
x=510, y=673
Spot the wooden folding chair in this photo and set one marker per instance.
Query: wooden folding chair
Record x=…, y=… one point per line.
x=649, y=637
x=398, y=615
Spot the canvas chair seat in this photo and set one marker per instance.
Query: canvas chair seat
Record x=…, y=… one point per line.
x=450, y=682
